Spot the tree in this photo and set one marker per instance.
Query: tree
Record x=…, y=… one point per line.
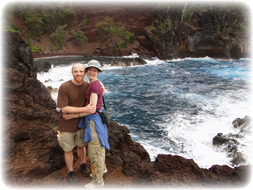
x=64, y=15
x=69, y=17
x=60, y=37
x=70, y=14
x=114, y=32
x=34, y=23
x=49, y=21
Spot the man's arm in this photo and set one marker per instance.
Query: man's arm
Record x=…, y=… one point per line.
x=89, y=109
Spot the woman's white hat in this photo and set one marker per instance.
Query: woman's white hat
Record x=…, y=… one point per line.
x=94, y=63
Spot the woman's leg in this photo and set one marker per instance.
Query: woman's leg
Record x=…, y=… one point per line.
x=97, y=156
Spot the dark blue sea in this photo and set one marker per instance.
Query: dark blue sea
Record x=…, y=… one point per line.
x=176, y=106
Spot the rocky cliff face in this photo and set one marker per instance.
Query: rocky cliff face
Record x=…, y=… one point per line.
x=198, y=37
x=18, y=55
x=32, y=156
x=201, y=38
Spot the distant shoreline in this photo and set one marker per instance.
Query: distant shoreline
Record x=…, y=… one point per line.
x=36, y=56
x=52, y=55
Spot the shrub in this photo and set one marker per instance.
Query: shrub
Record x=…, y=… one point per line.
x=84, y=19
x=164, y=26
x=79, y=36
x=115, y=32
x=36, y=49
x=188, y=15
x=60, y=37
x=54, y=48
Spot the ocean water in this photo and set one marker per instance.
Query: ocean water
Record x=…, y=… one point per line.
x=176, y=106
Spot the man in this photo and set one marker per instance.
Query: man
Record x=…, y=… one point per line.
x=71, y=99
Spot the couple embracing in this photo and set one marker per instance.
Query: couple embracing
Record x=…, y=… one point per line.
x=80, y=99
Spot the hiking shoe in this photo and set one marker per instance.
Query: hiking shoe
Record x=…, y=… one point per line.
x=104, y=172
x=85, y=170
x=72, y=176
x=93, y=185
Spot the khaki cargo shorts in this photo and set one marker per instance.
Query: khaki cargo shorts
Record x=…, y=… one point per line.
x=68, y=141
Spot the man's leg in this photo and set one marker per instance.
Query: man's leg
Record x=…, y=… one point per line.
x=81, y=153
x=68, y=156
x=66, y=141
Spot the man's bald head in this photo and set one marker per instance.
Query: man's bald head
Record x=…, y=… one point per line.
x=77, y=65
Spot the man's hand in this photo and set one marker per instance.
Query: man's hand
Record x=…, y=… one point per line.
x=68, y=116
x=103, y=87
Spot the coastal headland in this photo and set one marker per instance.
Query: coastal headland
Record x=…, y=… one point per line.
x=32, y=156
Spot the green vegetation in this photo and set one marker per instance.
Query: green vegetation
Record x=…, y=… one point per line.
x=7, y=20
x=49, y=21
x=242, y=27
x=36, y=49
x=116, y=33
x=31, y=19
x=235, y=26
x=228, y=22
x=34, y=23
x=54, y=48
x=159, y=28
x=84, y=19
x=79, y=36
x=53, y=20
x=61, y=14
x=60, y=37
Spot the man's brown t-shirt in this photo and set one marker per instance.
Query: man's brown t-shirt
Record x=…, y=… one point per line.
x=70, y=94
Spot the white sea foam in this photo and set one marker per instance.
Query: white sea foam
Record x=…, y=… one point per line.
x=134, y=55
x=155, y=62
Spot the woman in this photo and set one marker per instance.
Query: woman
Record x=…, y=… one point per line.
x=96, y=133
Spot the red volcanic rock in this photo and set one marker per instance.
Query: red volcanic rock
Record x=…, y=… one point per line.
x=197, y=38
x=17, y=54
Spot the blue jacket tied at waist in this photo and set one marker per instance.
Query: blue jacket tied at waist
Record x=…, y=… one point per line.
x=101, y=129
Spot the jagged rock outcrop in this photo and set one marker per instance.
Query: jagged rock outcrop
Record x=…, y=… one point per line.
x=18, y=55
x=175, y=172
x=200, y=37
x=229, y=142
x=32, y=155
x=45, y=68
x=125, y=62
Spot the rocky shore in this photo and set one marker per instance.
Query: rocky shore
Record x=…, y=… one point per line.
x=40, y=55
x=32, y=156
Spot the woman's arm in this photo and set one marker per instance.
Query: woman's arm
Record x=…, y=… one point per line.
x=93, y=102
x=93, y=99
x=103, y=87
